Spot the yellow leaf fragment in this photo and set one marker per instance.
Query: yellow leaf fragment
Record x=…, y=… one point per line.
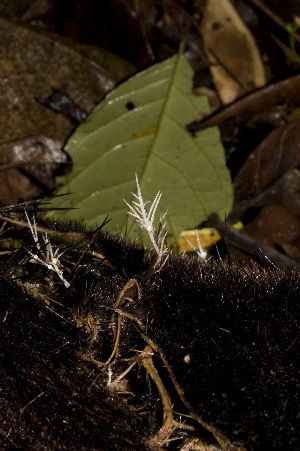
x=188, y=239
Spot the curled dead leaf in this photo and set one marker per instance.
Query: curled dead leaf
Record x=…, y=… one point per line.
x=267, y=176
x=236, y=65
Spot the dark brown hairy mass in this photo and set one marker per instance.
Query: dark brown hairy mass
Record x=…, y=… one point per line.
x=227, y=336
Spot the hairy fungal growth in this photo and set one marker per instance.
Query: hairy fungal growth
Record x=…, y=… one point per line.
x=47, y=258
x=108, y=346
x=146, y=221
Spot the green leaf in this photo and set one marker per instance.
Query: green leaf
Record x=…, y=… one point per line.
x=140, y=128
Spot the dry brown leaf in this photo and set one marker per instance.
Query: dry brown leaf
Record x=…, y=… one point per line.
x=275, y=226
x=236, y=67
x=270, y=174
x=14, y=186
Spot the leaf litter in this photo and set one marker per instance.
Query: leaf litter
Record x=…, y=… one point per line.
x=135, y=310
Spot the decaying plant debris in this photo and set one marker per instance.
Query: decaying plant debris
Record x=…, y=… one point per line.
x=130, y=355
x=106, y=345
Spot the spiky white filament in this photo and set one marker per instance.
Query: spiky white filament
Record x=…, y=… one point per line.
x=202, y=254
x=50, y=259
x=146, y=219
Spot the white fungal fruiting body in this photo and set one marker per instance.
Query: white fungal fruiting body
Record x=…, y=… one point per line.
x=202, y=254
x=146, y=220
x=48, y=259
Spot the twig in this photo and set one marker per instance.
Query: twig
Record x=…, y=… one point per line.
x=252, y=246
